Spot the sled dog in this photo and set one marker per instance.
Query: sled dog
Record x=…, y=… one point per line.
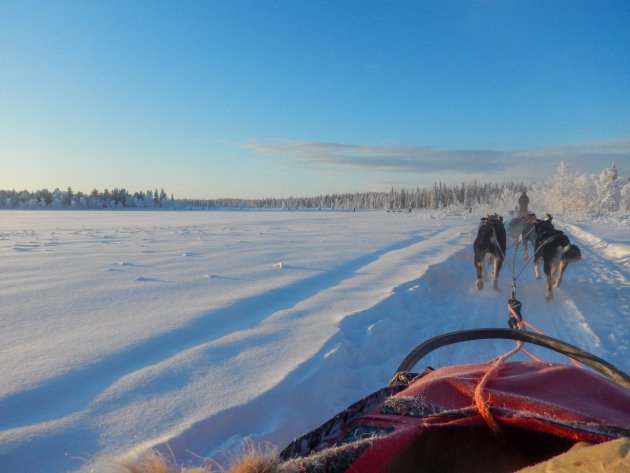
x=555, y=250
x=521, y=229
x=490, y=241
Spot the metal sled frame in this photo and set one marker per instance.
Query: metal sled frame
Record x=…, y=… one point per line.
x=603, y=367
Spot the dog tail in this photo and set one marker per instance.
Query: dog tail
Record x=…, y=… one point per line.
x=571, y=253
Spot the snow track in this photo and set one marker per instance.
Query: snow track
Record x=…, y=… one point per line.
x=371, y=343
x=191, y=332
x=313, y=384
x=602, y=293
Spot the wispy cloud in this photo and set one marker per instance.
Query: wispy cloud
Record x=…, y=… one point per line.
x=400, y=158
x=393, y=158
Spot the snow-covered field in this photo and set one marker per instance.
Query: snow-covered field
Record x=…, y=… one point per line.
x=190, y=331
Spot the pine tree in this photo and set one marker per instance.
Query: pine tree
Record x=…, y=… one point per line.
x=163, y=196
x=67, y=200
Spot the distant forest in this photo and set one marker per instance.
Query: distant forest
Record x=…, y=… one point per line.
x=602, y=193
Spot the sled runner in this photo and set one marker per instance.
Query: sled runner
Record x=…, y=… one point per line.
x=498, y=416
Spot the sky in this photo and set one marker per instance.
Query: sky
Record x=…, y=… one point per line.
x=254, y=99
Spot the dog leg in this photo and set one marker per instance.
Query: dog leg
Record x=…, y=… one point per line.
x=486, y=273
x=525, y=255
x=498, y=262
x=479, y=267
x=548, y=292
x=549, y=268
x=562, y=267
x=536, y=270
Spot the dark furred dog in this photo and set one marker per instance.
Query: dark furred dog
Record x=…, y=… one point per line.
x=521, y=229
x=555, y=250
x=490, y=241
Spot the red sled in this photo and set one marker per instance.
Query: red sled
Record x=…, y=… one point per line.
x=493, y=417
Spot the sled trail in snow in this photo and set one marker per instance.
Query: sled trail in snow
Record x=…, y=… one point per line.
x=357, y=341
x=370, y=343
x=193, y=331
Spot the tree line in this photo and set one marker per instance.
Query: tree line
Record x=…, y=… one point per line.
x=566, y=192
x=440, y=195
x=117, y=198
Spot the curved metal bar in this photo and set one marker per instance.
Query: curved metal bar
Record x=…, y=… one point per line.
x=588, y=359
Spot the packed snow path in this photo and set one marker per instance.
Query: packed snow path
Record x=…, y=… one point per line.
x=192, y=331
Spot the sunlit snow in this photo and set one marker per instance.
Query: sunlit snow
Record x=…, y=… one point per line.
x=191, y=331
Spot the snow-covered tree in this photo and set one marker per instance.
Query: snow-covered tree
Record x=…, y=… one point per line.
x=609, y=189
x=624, y=194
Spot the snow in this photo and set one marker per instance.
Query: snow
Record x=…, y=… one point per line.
x=192, y=331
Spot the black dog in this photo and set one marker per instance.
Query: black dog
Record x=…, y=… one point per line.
x=490, y=241
x=521, y=229
x=555, y=250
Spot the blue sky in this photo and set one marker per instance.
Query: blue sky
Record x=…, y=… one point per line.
x=286, y=97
